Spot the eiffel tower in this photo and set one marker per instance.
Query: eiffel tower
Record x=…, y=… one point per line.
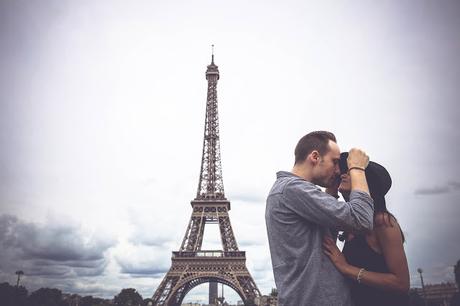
x=192, y=266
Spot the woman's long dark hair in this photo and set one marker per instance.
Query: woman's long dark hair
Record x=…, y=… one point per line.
x=380, y=205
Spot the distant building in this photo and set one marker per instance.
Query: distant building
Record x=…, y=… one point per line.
x=267, y=300
x=71, y=299
x=438, y=294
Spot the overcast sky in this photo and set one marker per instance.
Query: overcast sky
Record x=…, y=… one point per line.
x=102, y=107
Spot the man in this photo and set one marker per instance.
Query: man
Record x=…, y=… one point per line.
x=299, y=214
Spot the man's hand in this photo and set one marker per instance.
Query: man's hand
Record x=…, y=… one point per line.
x=357, y=158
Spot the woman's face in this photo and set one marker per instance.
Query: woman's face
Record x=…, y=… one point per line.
x=345, y=183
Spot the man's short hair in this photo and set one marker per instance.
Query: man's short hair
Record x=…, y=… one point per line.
x=318, y=140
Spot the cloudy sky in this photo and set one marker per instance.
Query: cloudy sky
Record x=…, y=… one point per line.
x=102, y=107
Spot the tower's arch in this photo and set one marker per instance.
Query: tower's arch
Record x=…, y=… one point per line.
x=187, y=285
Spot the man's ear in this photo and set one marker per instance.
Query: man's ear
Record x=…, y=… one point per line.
x=314, y=156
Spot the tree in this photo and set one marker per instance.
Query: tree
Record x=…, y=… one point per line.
x=92, y=301
x=87, y=301
x=46, y=297
x=12, y=296
x=147, y=302
x=128, y=297
x=101, y=302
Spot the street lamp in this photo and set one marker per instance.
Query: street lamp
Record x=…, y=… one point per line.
x=19, y=273
x=419, y=270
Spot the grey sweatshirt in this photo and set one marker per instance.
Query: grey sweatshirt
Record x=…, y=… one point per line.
x=298, y=214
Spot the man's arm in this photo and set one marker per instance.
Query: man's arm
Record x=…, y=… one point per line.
x=309, y=202
x=357, y=162
x=314, y=205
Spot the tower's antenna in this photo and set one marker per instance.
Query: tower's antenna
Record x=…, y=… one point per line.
x=212, y=48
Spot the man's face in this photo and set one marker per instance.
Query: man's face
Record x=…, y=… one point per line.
x=328, y=169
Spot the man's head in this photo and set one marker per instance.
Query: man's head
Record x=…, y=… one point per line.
x=319, y=155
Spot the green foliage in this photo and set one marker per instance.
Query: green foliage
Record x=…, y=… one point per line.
x=87, y=301
x=18, y=296
x=12, y=296
x=128, y=297
x=147, y=301
x=91, y=301
x=46, y=297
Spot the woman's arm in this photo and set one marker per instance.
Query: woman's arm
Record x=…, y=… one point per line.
x=389, y=237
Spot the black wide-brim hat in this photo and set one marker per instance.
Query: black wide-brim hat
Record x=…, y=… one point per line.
x=378, y=178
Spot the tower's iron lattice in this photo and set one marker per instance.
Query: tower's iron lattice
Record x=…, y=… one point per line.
x=192, y=266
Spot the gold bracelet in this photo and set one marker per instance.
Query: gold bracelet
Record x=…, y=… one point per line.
x=360, y=275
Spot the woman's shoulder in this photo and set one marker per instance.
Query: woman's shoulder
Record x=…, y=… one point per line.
x=386, y=227
x=385, y=219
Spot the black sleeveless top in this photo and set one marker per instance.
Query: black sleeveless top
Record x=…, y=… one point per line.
x=359, y=254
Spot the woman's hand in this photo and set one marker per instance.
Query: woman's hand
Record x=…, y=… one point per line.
x=333, y=252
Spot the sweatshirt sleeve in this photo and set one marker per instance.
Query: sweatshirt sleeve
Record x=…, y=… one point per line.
x=314, y=205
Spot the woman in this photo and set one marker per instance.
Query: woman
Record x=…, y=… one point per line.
x=375, y=260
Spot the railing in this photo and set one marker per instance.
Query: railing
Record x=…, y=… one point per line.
x=210, y=253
